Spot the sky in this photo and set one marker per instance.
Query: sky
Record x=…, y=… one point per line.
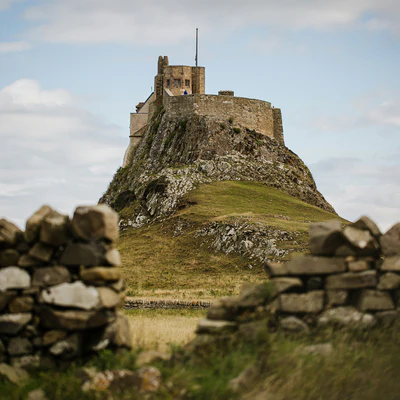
x=72, y=71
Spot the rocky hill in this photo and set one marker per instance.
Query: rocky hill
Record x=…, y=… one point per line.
x=175, y=155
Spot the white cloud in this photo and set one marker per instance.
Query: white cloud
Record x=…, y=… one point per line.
x=150, y=22
x=4, y=4
x=13, y=47
x=51, y=151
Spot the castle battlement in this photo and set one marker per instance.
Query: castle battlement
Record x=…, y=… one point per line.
x=181, y=90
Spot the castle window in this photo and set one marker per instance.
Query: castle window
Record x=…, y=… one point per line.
x=187, y=82
x=168, y=83
x=177, y=82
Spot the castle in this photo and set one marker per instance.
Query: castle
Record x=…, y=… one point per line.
x=181, y=91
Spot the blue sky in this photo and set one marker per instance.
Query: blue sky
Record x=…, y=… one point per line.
x=72, y=71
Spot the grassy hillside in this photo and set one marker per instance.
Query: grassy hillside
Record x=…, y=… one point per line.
x=168, y=260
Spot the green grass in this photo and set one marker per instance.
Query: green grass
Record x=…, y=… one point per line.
x=158, y=263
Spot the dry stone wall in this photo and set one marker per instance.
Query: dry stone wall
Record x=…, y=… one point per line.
x=60, y=288
x=351, y=278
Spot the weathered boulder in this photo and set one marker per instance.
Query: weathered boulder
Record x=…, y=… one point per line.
x=14, y=278
x=109, y=298
x=76, y=295
x=95, y=223
x=313, y=265
x=311, y=302
x=10, y=324
x=325, y=237
x=73, y=320
x=375, y=300
x=19, y=346
x=33, y=224
x=68, y=348
x=351, y=280
x=390, y=241
x=50, y=276
x=10, y=234
x=361, y=240
x=389, y=281
x=100, y=274
x=293, y=324
x=54, y=229
x=281, y=285
x=89, y=254
x=347, y=317
x=214, y=327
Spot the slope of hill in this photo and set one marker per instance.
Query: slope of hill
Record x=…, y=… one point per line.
x=220, y=237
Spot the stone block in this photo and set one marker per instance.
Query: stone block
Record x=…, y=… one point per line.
x=388, y=318
x=358, y=266
x=252, y=295
x=74, y=295
x=26, y=261
x=313, y=265
x=50, y=276
x=351, y=280
x=19, y=346
x=375, y=300
x=68, y=348
x=112, y=257
x=312, y=302
x=100, y=274
x=5, y=298
x=11, y=324
x=14, y=278
x=88, y=254
x=336, y=297
x=325, y=237
x=73, y=320
x=33, y=224
x=109, y=298
x=21, y=304
x=53, y=336
x=95, y=223
x=367, y=224
x=293, y=324
x=281, y=285
x=9, y=258
x=41, y=252
x=347, y=317
x=276, y=269
x=54, y=229
x=391, y=264
x=345, y=250
x=18, y=376
x=118, y=333
x=10, y=234
x=390, y=241
x=361, y=240
x=389, y=281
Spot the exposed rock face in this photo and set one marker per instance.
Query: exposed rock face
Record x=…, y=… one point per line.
x=175, y=155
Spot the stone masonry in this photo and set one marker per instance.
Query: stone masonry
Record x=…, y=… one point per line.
x=351, y=278
x=60, y=288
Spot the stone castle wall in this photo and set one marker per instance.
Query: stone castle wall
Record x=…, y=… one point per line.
x=60, y=288
x=241, y=112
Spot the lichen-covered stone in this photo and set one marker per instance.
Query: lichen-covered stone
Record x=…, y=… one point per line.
x=14, y=278
x=351, y=280
x=390, y=241
x=347, y=317
x=313, y=265
x=54, y=229
x=312, y=302
x=11, y=324
x=74, y=295
x=375, y=300
x=95, y=223
x=325, y=237
x=68, y=348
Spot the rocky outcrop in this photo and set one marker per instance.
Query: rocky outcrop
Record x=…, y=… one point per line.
x=60, y=288
x=175, y=155
x=351, y=279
